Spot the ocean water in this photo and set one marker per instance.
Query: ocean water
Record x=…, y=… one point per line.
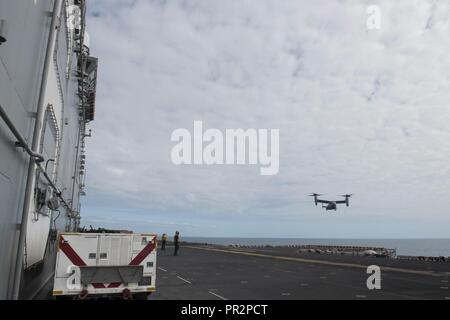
x=408, y=247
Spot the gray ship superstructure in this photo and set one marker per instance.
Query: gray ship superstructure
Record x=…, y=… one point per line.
x=47, y=99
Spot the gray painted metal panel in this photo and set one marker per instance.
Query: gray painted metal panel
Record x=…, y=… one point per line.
x=23, y=53
x=20, y=69
x=111, y=274
x=21, y=64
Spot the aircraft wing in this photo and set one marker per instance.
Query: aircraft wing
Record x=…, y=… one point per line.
x=323, y=201
x=341, y=202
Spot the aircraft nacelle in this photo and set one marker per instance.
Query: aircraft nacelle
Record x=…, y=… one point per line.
x=316, y=200
x=347, y=200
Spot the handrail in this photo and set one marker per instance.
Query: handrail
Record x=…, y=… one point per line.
x=37, y=157
x=21, y=141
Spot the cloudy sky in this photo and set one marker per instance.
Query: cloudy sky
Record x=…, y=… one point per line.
x=359, y=111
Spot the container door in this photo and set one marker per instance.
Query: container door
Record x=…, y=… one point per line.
x=104, y=250
x=119, y=250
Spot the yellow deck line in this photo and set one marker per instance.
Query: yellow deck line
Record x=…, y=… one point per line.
x=322, y=262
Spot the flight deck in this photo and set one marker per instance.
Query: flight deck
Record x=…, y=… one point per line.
x=223, y=273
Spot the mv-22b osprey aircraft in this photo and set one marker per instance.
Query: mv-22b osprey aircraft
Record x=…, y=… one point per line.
x=331, y=205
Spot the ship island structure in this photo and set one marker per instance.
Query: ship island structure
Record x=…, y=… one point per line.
x=47, y=100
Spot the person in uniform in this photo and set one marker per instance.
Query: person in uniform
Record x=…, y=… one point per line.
x=163, y=242
x=176, y=242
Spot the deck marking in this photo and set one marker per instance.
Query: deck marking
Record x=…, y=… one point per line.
x=184, y=280
x=286, y=294
x=444, y=288
x=218, y=296
x=162, y=269
x=283, y=270
x=360, y=296
x=444, y=281
x=322, y=262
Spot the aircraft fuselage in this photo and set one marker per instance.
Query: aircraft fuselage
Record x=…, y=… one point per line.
x=331, y=206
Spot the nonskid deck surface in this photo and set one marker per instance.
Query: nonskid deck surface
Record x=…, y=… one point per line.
x=214, y=273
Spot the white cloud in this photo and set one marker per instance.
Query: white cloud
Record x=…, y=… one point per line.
x=359, y=111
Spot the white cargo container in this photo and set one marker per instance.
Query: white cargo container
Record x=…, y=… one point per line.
x=105, y=264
